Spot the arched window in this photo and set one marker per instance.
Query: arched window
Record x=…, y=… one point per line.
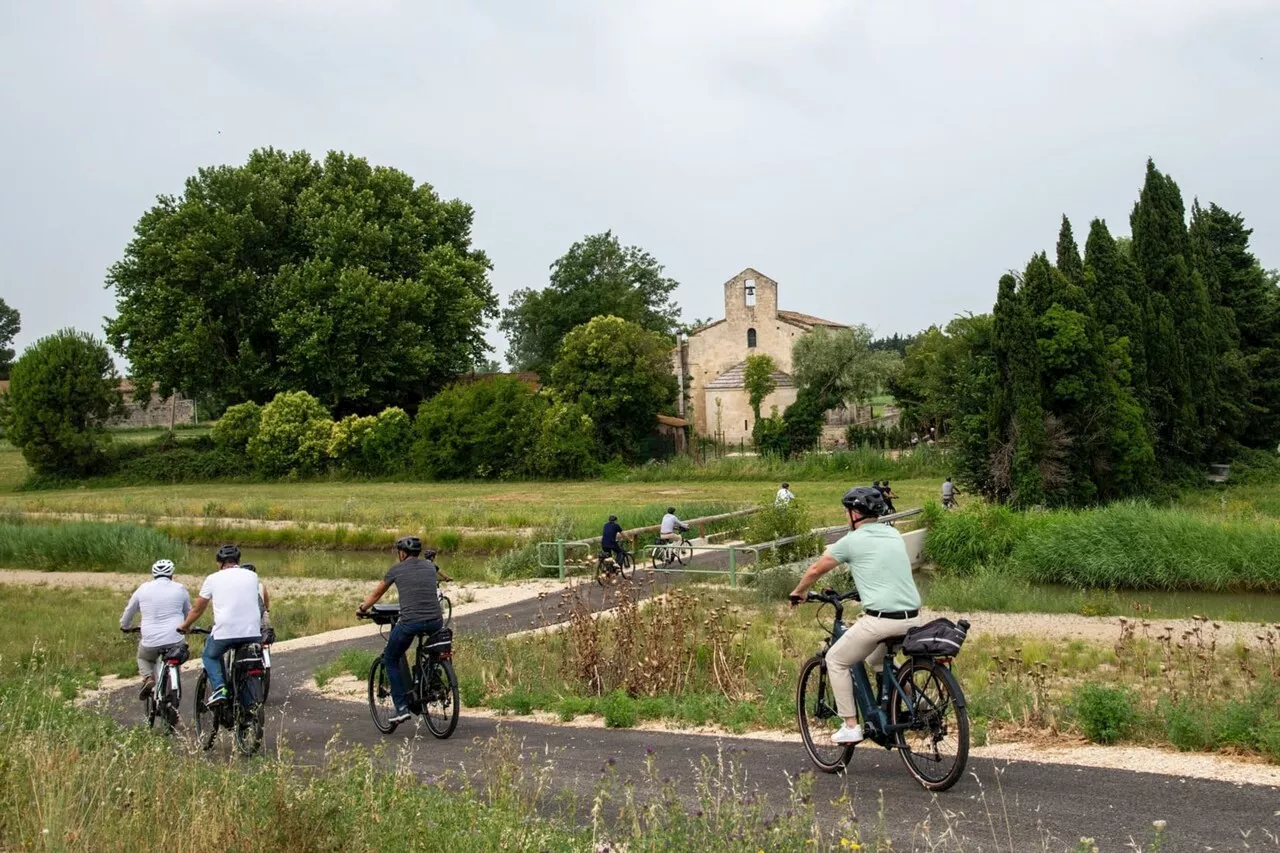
x=751, y=338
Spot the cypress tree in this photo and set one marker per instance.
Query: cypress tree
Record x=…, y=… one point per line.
x=1069, y=263
x=1119, y=298
x=1183, y=347
x=1249, y=323
x=1019, y=364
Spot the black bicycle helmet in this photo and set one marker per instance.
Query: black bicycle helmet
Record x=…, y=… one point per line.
x=865, y=500
x=429, y=554
x=671, y=510
x=613, y=518
x=409, y=544
x=229, y=554
x=250, y=566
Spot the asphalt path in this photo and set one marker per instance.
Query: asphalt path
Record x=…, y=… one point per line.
x=1009, y=806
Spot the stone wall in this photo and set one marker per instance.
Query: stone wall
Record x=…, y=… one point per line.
x=737, y=419
x=158, y=414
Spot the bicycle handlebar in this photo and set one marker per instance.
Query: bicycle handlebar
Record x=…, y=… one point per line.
x=135, y=630
x=194, y=630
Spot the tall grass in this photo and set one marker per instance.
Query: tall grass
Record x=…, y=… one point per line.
x=856, y=464
x=84, y=546
x=1122, y=546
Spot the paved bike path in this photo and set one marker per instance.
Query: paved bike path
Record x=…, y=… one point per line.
x=997, y=806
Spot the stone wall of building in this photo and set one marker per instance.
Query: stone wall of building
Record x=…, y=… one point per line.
x=158, y=414
x=736, y=417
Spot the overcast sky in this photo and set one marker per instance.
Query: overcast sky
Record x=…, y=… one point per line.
x=884, y=160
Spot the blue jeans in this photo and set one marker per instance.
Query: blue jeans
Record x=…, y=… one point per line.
x=212, y=658
x=401, y=638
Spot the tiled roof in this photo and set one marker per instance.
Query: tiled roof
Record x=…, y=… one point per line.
x=809, y=320
x=668, y=420
x=732, y=378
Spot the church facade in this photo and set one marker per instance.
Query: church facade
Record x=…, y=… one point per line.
x=710, y=360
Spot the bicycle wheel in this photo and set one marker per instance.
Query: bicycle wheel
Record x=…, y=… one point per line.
x=816, y=713
x=626, y=566
x=440, y=705
x=250, y=715
x=381, y=706
x=936, y=746
x=266, y=683
x=206, y=717
x=446, y=610
x=684, y=553
x=657, y=557
x=602, y=570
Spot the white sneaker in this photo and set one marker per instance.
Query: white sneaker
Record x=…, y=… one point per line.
x=847, y=735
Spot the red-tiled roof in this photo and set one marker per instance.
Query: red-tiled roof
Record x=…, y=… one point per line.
x=670, y=421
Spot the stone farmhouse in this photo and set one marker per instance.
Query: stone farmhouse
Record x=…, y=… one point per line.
x=710, y=361
x=166, y=412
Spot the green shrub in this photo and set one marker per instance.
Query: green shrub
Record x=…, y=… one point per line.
x=774, y=585
x=293, y=435
x=238, y=424
x=566, y=446
x=619, y=710
x=61, y=393
x=385, y=448
x=484, y=429
x=345, y=442
x=571, y=707
x=1105, y=713
x=779, y=521
x=1188, y=725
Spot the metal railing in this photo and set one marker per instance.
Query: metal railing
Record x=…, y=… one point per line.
x=560, y=550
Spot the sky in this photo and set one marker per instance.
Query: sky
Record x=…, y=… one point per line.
x=884, y=160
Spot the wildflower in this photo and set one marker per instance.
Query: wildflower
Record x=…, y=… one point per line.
x=1159, y=825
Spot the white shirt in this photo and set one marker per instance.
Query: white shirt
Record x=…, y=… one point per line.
x=234, y=592
x=164, y=604
x=669, y=523
x=784, y=497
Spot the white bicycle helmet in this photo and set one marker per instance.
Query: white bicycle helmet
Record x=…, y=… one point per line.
x=162, y=569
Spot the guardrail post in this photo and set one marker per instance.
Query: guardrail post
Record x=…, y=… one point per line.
x=560, y=556
x=733, y=568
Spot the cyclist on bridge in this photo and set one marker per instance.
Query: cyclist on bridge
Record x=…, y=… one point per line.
x=416, y=581
x=237, y=619
x=671, y=527
x=609, y=539
x=162, y=603
x=881, y=570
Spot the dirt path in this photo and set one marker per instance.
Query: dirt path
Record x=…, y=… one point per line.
x=1091, y=629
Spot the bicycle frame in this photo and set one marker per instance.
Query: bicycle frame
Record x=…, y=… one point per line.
x=872, y=706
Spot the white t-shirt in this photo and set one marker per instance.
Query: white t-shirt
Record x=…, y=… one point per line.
x=784, y=497
x=670, y=524
x=234, y=592
x=163, y=603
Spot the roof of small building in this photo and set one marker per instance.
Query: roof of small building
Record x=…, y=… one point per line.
x=809, y=320
x=668, y=420
x=732, y=378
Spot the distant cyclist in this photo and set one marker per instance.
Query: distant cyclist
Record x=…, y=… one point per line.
x=415, y=579
x=881, y=570
x=162, y=603
x=609, y=539
x=888, y=495
x=949, y=492
x=672, y=527
x=784, y=496
x=237, y=617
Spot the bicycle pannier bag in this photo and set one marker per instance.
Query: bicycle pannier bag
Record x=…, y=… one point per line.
x=440, y=642
x=180, y=652
x=248, y=657
x=939, y=638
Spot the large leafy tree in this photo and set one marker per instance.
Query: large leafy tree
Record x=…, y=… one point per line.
x=62, y=391
x=597, y=276
x=620, y=375
x=841, y=365
x=10, y=325
x=348, y=281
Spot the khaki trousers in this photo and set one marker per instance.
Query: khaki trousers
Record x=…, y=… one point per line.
x=863, y=641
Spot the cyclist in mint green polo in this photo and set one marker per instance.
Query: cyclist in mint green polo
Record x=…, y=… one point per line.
x=881, y=569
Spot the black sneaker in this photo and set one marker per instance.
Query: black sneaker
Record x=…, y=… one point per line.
x=148, y=684
x=218, y=699
x=401, y=717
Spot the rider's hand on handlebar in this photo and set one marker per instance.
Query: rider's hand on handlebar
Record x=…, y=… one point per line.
x=796, y=600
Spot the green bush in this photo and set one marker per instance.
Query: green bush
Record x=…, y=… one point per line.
x=566, y=446
x=385, y=448
x=61, y=393
x=778, y=522
x=238, y=424
x=484, y=429
x=619, y=710
x=345, y=442
x=179, y=462
x=1188, y=725
x=1105, y=713
x=293, y=435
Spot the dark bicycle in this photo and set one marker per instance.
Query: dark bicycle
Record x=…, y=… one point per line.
x=432, y=684
x=610, y=565
x=243, y=712
x=918, y=708
x=163, y=701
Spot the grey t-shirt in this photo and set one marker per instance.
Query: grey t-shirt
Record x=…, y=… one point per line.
x=415, y=580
